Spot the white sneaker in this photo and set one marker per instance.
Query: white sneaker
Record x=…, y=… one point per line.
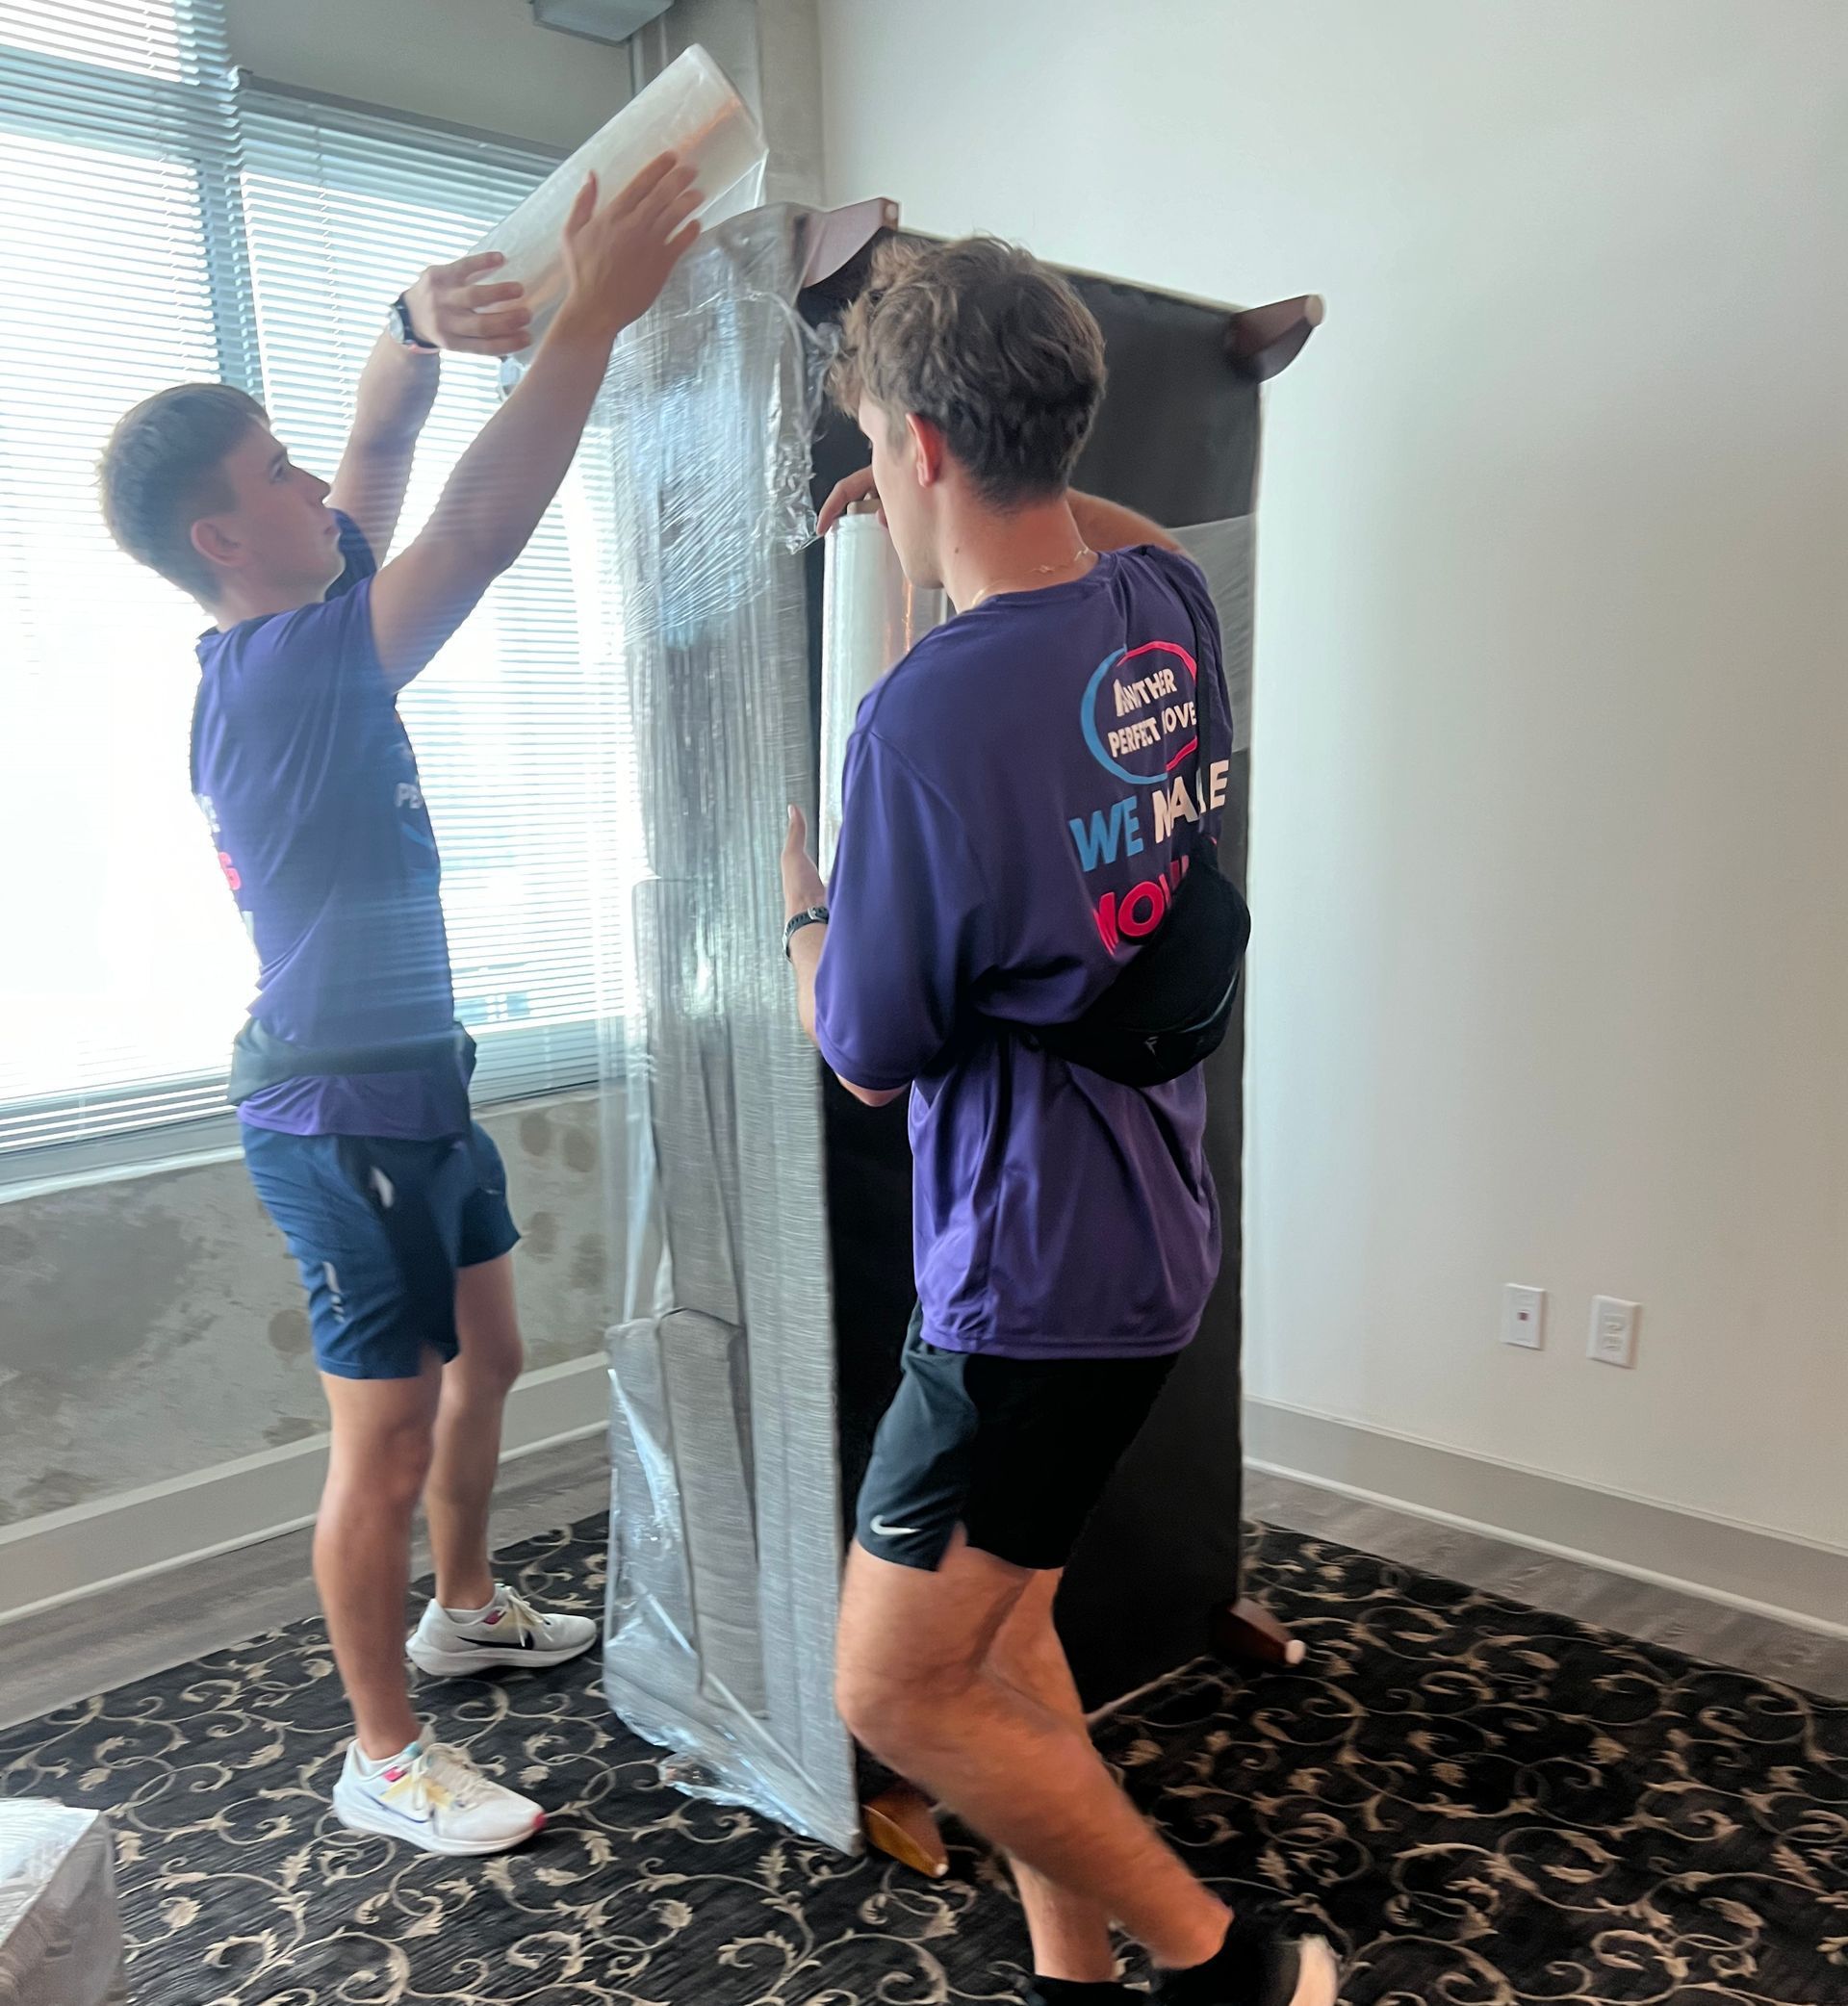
x=513, y=1632
x=433, y=1796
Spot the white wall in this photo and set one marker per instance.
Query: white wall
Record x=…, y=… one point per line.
x=486, y=63
x=479, y=63
x=1549, y=981
x=158, y=1393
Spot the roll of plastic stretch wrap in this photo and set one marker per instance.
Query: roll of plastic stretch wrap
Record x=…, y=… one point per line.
x=871, y=617
x=691, y=109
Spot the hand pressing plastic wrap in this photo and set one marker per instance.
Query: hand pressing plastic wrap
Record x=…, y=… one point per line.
x=60, y=1935
x=725, y=1520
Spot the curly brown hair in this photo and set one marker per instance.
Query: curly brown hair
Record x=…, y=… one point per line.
x=991, y=346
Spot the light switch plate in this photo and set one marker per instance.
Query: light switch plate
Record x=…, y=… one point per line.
x=1614, y=1330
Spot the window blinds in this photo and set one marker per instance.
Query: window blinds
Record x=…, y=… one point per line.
x=165, y=226
x=521, y=761
x=121, y=966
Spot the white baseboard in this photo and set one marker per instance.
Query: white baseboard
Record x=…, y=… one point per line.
x=1747, y=1567
x=112, y=1541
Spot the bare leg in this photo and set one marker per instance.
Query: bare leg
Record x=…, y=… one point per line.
x=380, y=1456
x=476, y=1385
x=916, y=1687
x=1070, y=1932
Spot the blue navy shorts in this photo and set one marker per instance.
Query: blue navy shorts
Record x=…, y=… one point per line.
x=379, y=1229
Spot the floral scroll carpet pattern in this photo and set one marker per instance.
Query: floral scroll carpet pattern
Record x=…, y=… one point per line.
x=1484, y=1805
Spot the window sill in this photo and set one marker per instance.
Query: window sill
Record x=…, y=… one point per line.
x=519, y=1066
x=194, y=1145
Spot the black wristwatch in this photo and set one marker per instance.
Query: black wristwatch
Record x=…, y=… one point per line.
x=816, y=915
x=403, y=333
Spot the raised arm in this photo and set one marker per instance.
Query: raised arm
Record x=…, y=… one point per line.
x=449, y=306
x=1105, y=525
x=617, y=259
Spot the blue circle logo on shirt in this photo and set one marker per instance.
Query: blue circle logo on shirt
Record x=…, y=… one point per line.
x=1150, y=716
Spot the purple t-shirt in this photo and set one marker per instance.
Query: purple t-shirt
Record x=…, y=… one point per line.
x=1019, y=793
x=310, y=788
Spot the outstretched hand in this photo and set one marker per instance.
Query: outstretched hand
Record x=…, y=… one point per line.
x=802, y=883
x=618, y=258
x=451, y=307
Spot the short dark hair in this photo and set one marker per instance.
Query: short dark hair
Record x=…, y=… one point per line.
x=992, y=346
x=164, y=469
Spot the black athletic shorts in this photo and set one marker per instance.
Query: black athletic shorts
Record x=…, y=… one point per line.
x=1016, y=1450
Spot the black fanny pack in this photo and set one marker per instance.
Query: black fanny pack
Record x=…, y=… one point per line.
x=1171, y=1007
x=260, y=1059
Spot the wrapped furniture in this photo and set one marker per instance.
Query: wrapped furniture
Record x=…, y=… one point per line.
x=60, y=1935
x=762, y=1216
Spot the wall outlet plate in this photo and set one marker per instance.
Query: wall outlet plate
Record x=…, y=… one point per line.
x=1524, y=1316
x=1614, y=1330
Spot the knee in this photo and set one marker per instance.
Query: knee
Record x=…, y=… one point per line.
x=869, y=1707
x=857, y=1704
x=492, y=1369
x=388, y=1468
x=403, y=1471
x=897, y=1720
x=1029, y=1663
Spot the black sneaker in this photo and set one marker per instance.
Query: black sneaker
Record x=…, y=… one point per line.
x=1257, y=1965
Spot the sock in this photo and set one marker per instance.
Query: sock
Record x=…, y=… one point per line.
x=1200, y=1981
x=372, y=1770
x=464, y=1617
x=1078, y=1991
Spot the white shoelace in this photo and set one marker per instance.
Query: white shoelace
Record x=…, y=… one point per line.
x=440, y=1776
x=526, y=1620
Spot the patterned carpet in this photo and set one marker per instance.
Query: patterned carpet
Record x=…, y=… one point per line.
x=1485, y=1805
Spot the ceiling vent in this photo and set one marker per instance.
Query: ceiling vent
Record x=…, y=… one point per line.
x=599, y=21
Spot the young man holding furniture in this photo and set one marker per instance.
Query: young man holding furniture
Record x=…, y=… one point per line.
x=1025, y=797
x=352, y=1075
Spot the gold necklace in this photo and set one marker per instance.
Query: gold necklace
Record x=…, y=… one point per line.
x=1040, y=571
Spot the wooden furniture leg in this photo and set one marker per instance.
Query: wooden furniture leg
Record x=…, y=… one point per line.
x=1245, y=1633
x=1263, y=340
x=900, y=1822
